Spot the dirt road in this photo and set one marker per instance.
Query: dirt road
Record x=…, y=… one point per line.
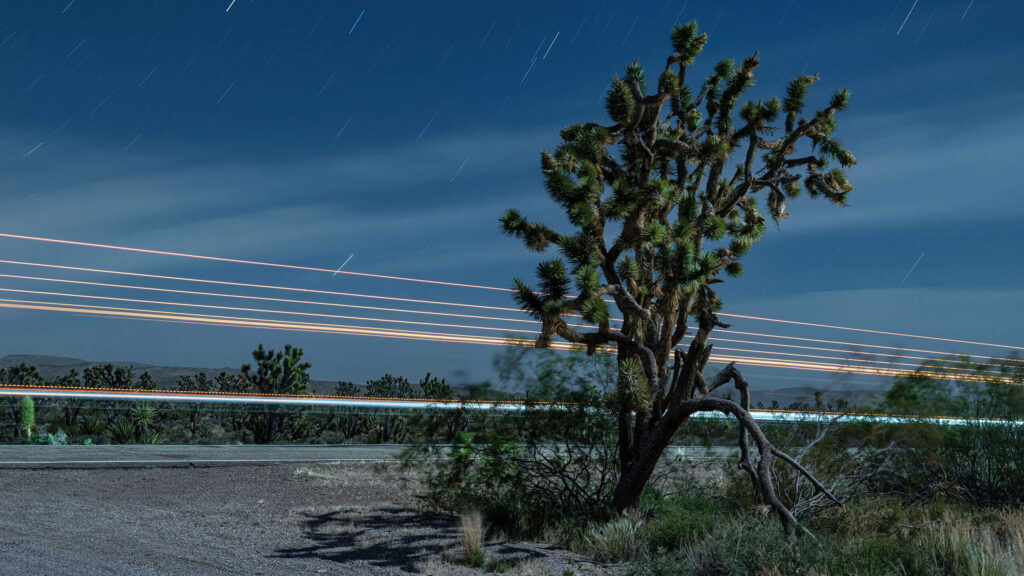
x=273, y=519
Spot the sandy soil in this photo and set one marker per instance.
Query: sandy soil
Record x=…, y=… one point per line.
x=287, y=519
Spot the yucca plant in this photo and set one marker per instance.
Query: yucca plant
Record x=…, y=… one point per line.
x=143, y=416
x=28, y=417
x=122, y=431
x=150, y=437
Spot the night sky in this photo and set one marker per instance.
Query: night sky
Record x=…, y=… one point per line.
x=393, y=135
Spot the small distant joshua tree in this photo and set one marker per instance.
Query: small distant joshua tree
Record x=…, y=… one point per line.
x=280, y=372
x=663, y=202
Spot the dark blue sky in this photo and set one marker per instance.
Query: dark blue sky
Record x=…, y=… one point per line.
x=305, y=132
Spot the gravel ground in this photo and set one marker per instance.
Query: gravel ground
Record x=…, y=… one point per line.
x=286, y=519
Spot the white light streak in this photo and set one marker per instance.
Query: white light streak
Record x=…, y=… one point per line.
x=343, y=264
x=545, y=57
x=225, y=92
x=459, y=171
x=356, y=23
x=29, y=153
x=75, y=49
x=907, y=18
x=436, y=404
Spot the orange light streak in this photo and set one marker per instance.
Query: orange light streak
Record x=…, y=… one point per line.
x=368, y=319
x=865, y=330
x=461, y=285
x=240, y=309
x=269, y=287
x=875, y=346
x=263, y=298
x=714, y=339
x=473, y=317
x=231, y=321
x=523, y=334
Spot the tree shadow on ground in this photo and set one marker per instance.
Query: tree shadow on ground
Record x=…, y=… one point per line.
x=391, y=538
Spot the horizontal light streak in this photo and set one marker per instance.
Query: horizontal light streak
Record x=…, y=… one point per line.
x=240, y=261
x=242, y=309
x=521, y=333
x=232, y=321
x=872, y=346
x=763, y=414
x=377, y=308
x=865, y=330
x=272, y=299
x=462, y=285
x=270, y=287
x=890, y=360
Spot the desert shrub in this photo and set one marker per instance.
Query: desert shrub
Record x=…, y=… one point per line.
x=619, y=540
x=122, y=431
x=472, y=537
x=869, y=536
x=976, y=461
x=678, y=519
x=739, y=546
x=150, y=437
x=960, y=545
x=528, y=471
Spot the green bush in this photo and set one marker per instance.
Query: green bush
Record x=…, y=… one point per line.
x=550, y=467
x=678, y=519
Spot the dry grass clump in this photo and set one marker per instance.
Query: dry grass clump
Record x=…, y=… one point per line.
x=472, y=537
x=960, y=546
x=620, y=540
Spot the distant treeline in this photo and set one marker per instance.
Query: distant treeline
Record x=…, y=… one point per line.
x=272, y=372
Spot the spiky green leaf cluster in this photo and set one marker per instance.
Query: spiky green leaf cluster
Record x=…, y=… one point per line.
x=619, y=102
x=687, y=43
x=633, y=389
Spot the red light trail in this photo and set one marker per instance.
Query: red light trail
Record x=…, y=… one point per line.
x=234, y=321
x=418, y=301
x=249, y=262
x=393, y=321
x=461, y=285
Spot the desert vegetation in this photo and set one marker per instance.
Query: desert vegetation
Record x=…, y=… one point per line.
x=662, y=205
x=915, y=496
x=74, y=420
x=656, y=222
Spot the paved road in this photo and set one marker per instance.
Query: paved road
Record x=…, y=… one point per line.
x=142, y=456
x=184, y=456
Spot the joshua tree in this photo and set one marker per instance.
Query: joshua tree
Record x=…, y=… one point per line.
x=109, y=376
x=657, y=219
x=195, y=383
x=70, y=407
x=388, y=427
x=276, y=373
x=435, y=388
